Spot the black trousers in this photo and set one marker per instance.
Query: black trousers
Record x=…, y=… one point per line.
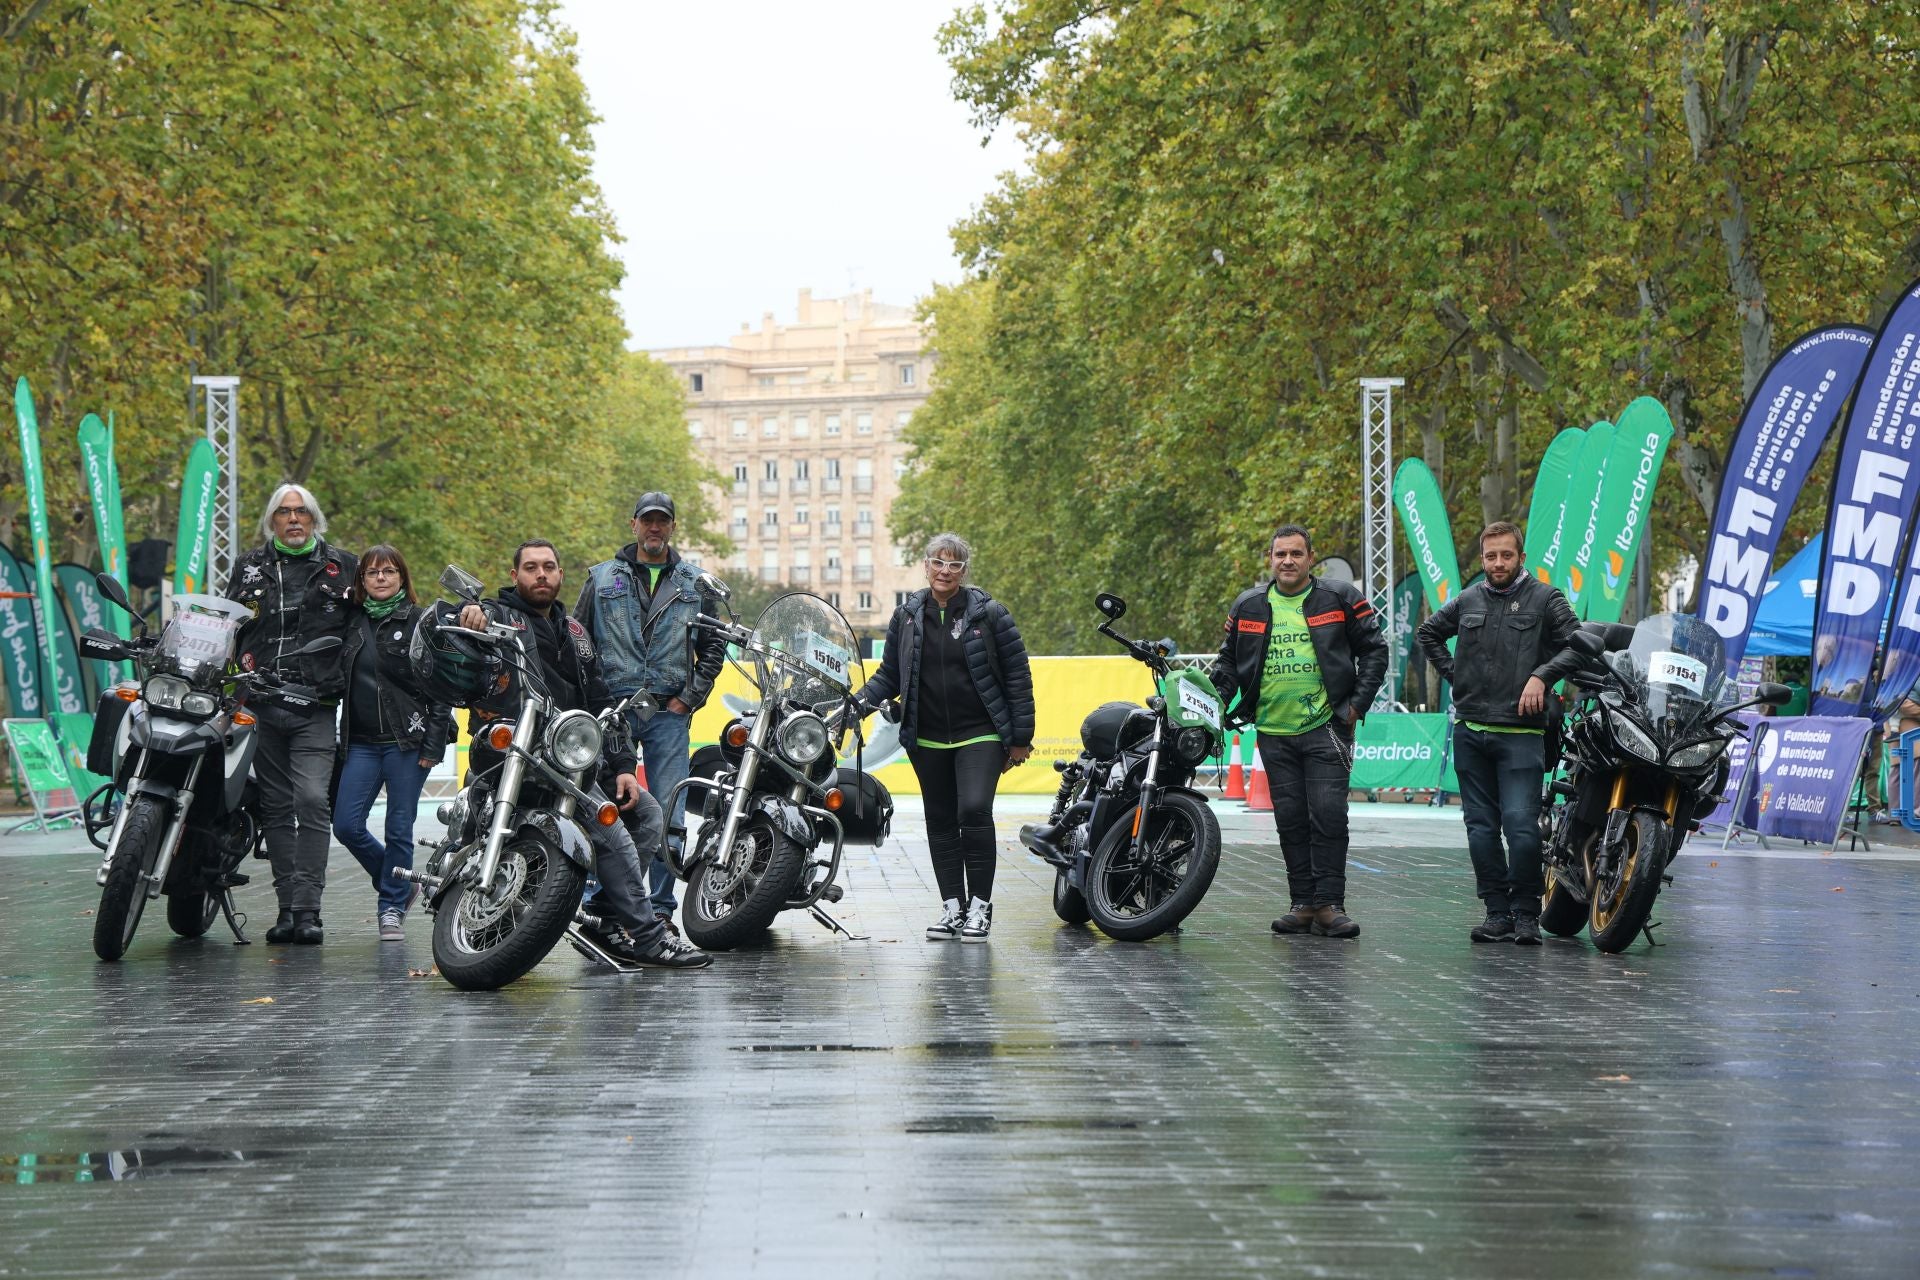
x=1307, y=774
x=294, y=767
x=956, y=787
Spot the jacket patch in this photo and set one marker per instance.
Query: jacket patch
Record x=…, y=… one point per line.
x=333, y=568
x=1363, y=610
x=582, y=643
x=1255, y=626
x=1326, y=619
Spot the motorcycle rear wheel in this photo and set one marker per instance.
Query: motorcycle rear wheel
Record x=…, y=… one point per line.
x=1618, y=907
x=724, y=910
x=480, y=946
x=1562, y=912
x=190, y=912
x=125, y=896
x=1133, y=900
x=1068, y=902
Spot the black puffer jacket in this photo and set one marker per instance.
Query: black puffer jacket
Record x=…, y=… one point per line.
x=996, y=663
x=409, y=718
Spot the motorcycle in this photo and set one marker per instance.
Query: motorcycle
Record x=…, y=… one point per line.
x=504, y=886
x=1133, y=846
x=779, y=793
x=1645, y=759
x=162, y=829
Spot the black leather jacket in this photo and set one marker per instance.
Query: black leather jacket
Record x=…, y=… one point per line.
x=256, y=583
x=412, y=720
x=569, y=668
x=1347, y=642
x=1503, y=640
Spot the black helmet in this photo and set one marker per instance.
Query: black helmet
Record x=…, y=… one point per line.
x=450, y=665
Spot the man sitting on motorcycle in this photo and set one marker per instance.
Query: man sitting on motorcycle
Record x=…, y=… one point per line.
x=569, y=666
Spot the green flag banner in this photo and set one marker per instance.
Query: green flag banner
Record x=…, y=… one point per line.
x=63, y=684
x=194, y=541
x=1546, y=512
x=1640, y=437
x=103, y=490
x=19, y=640
x=1406, y=613
x=1573, y=567
x=89, y=609
x=1423, y=514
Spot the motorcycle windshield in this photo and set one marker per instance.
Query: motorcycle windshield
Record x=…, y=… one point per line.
x=199, y=640
x=818, y=657
x=1678, y=666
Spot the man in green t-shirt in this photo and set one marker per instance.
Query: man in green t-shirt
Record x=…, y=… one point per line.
x=1301, y=662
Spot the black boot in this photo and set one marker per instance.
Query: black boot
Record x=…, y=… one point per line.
x=307, y=930
x=282, y=931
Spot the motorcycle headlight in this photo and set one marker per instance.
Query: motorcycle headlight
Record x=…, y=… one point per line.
x=573, y=741
x=168, y=693
x=1696, y=754
x=200, y=704
x=1192, y=745
x=1635, y=740
x=803, y=738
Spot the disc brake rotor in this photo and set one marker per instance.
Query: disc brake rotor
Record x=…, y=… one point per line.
x=478, y=911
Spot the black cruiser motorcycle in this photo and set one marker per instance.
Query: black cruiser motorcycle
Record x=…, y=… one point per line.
x=1645, y=759
x=181, y=812
x=779, y=795
x=1133, y=846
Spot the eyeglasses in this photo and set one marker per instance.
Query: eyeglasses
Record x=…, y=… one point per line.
x=937, y=564
x=291, y=513
x=383, y=570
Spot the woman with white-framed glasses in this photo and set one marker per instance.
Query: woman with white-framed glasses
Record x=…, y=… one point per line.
x=956, y=662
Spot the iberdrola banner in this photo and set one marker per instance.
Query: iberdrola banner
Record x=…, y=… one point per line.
x=1573, y=568
x=194, y=541
x=1640, y=437
x=89, y=609
x=64, y=683
x=1423, y=514
x=19, y=640
x=103, y=491
x=1872, y=500
x=1782, y=430
x=1548, y=507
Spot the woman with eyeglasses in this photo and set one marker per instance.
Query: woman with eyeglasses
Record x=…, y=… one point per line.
x=391, y=733
x=956, y=662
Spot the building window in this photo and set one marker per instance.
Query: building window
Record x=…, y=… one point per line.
x=770, y=517
x=865, y=602
x=900, y=599
x=906, y=375
x=863, y=424
x=766, y=380
x=833, y=557
x=694, y=428
x=802, y=428
x=739, y=428
x=770, y=428
x=833, y=424
x=770, y=565
x=899, y=467
x=833, y=468
x=770, y=469
x=739, y=473
x=800, y=515
x=833, y=598
x=901, y=419
x=863, y=557
x=802, y=468
x=698, y=381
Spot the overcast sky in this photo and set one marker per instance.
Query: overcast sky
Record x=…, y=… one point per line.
x=753, y=149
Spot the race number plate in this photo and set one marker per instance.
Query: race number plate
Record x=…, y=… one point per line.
x=201, y=638
x=1198, y=704
x=826, y=657
x=1678, y=670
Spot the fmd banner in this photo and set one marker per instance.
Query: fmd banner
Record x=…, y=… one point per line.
x=1874, y=487
x=1737, y=752
x=1804, y=768
x=1786, y=422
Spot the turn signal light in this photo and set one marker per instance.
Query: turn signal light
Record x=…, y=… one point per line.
x=127, y=692
x=500, y=737
x=736, y=734
x=608, y=814
x=834, y=799
x=243, y=717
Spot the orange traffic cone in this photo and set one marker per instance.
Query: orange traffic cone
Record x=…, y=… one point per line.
x=1236, y=773
x=1259, y=798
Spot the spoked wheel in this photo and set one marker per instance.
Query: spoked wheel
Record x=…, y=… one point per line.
x=1563, y=904
x=734, y=903
x=125, y=896
x=1133, y=897
x=482, y=943
x=1068, y=902
x=1622, y=899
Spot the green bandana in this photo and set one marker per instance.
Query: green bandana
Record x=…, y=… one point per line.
x=379, y=609
x=286, y=550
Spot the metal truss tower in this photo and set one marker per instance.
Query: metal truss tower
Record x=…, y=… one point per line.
x=223, y=433
x=1376, y=451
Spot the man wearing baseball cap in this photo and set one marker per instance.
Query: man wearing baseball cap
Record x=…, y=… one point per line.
x=639, y=607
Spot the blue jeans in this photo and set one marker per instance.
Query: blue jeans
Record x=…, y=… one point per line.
x=663, y=751
x=1500, y=777
x=368, y=768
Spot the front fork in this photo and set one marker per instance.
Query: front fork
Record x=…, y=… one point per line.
x=1149, y=793
x=506, y=797
x=743, y=781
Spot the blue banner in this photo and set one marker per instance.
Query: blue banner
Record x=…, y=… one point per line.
x=1874, y=487
x=1804, y=768
x=1786, y=422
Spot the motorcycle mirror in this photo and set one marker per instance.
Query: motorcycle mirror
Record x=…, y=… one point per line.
x=1165, y=648
x=318, y=645
x=1618, y=636
x=1586, y=644
x=110, y=588
x=462, y=584
x=713, y=586
x=1113, y=606
x=1774, y=695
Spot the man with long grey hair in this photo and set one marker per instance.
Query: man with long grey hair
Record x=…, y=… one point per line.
x=297, y=587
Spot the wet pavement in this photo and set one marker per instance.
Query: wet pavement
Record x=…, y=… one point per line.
x=1742, y=1101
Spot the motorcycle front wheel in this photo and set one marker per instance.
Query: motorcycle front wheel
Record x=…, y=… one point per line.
x=482, y=943
x=1621, y=901
x=125, y=896
x=730, y=905
x=1136, y=897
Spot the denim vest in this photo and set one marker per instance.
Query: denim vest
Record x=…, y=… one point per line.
x=658, y=664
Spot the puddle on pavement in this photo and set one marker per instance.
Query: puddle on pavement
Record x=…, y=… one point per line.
x=32, y=1168
x=963, y=1048
x=994, y=1124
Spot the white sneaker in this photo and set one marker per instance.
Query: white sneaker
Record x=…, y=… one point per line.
x=392, y=927
x=979, y=921
x=947, y=927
